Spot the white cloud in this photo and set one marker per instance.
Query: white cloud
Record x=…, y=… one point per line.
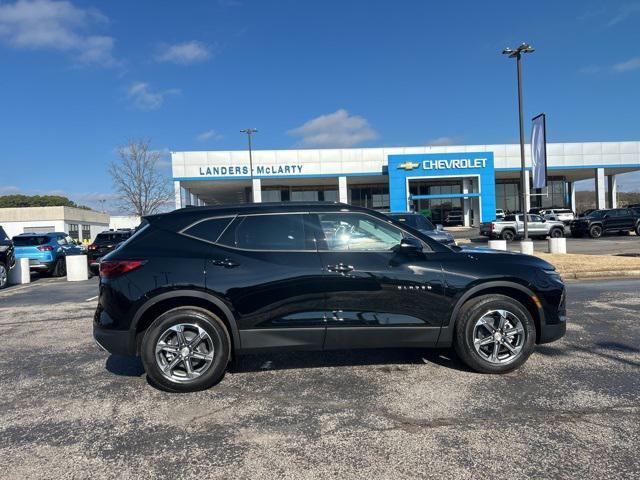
x=59, y=26
x=208, y=135
x=624, y=11
x=337, y=129
x=9, y=190
x=442, y=141
x=632, y=64
x=146, y=99
x=185, y=53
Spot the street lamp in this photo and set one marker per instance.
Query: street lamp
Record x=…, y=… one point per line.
x=249, y=132
x=517, y=54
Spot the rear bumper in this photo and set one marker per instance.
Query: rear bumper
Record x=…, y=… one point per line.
x=114, y=341
x=37, y=266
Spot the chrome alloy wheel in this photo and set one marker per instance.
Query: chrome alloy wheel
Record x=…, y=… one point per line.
x=184, y=352
x=3, y=276
x=498, y=336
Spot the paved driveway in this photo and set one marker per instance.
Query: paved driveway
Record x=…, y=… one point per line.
x=70, y=410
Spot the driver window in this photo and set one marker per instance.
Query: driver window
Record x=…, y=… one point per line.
x=358, y=232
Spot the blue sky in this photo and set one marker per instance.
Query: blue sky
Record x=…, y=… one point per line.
x=79, y=78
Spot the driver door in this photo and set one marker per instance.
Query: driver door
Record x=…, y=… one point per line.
x=376, y=294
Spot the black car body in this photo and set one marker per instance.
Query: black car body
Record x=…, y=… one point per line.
x=104, y=243
x=7, y=257
x=424, y=225
x=312, y=276
x=599, y=222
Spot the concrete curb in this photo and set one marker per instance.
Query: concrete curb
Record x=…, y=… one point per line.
x=605, y=274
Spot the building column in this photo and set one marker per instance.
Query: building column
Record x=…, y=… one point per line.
x=600, y=190
x=613, y=191
x=192, y=199
x=343, y=194
x=256, y=190
x=177, y=194
x=467, y=187
x=572, y=196
x=527, y=192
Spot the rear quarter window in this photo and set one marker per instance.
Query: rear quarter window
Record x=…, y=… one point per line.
x=209, y=230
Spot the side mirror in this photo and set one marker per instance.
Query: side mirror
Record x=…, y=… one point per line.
x=439, y=227
x=410, y=245
x=606, y=215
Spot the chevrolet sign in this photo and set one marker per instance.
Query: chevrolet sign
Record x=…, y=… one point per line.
x=408, y=165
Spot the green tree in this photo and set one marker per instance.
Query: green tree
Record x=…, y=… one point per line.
x=19, y=200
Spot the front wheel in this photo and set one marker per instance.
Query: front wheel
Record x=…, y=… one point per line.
x=595, y=231
x=186, y=349
x=638, y=229
x=494, y=334
x=556, y=233
x=4, y=276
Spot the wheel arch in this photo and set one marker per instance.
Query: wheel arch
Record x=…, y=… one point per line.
x=163, y=302
x=511, y=289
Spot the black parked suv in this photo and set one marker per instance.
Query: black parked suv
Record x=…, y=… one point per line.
x=599, y=222
x=196, y=286
x=104, y=243
x=7, y=257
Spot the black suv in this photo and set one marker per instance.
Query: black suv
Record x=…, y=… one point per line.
x=599, y=222
x=7, y=257
x=195, y=286
x=104, y=243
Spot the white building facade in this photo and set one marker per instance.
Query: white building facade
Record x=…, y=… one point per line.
x=464, y=181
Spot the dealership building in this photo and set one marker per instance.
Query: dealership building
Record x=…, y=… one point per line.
x=470, y=180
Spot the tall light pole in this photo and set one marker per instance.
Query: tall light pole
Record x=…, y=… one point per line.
x=249, y=132
x=517, y=54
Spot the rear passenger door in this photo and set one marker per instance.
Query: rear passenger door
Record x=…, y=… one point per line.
x=268, y=268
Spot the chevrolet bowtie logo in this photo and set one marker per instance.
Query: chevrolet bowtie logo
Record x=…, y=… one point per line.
x=408, y=165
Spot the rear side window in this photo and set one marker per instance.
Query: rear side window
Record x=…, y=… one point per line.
x=30, y=241
x=209, y=230
x=267, y=232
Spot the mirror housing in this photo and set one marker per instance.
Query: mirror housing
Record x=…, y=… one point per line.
x=439, y=227
x=410, y=245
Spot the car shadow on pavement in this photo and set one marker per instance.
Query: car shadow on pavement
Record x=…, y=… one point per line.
x=125, y=366
x=387, y=359
x=604, y=350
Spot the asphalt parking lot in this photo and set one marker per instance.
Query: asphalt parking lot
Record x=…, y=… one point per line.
x=70, y=410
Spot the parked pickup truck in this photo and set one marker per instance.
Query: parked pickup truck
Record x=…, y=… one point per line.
x=512, y=227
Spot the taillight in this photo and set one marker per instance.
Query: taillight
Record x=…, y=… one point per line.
x=45, y=248
x=93, y=246
x=113, y=268
x=492, y=226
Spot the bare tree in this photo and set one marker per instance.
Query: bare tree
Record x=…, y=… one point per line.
x=141, y=188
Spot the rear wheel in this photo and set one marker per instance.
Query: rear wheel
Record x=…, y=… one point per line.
x=595, y=231
x=508, y=235
x=638, y=229
x=556, y=233
x=186, y=349
x=4, y=275
x=60, y=268
x=494, y=334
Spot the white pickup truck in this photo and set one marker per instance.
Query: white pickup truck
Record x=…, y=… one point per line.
x=513, y=226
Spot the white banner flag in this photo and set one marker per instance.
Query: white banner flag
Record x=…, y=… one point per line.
x=539, y=151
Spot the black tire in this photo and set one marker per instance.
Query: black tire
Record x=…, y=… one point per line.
x=218, y=335
x=638, y=229
x=4, y=275
x=508, y=235
x=595, y=231
x=60, y=268
x=471, y=312
x=556, y=233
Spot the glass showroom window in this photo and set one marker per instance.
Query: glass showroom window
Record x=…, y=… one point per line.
x=86, y=232
x=73, y=231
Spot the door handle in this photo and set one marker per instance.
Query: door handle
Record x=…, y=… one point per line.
x=226, y=263
x=340, y=268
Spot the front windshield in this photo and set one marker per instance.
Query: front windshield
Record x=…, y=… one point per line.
x=418, y=222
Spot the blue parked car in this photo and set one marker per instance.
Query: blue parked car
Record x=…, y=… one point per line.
x=46, y=251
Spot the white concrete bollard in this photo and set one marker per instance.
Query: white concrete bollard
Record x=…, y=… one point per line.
x=498, y=244
x=526, y=247
x=558, y=245
x=77, y=268
x=20, y=273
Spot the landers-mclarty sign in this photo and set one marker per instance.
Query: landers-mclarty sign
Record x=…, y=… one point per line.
x=243, y=170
